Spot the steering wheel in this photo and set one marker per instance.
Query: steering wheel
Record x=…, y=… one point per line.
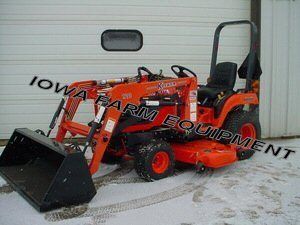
x=178, y=70
x=142, y=68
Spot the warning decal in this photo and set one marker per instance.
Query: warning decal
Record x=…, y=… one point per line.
x=109, y=127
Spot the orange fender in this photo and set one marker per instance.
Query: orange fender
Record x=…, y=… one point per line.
x=232, y=102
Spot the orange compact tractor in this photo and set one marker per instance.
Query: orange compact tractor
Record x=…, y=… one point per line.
x=155, y=119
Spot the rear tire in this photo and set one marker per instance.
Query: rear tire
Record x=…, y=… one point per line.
x=245, y=123
x=154, y=161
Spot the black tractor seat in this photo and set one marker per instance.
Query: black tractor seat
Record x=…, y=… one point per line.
x=210, y=92
x=222, y=81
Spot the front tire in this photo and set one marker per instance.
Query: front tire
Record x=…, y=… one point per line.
x=155, y=160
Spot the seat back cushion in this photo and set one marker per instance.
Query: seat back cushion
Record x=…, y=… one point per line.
x=225, y=76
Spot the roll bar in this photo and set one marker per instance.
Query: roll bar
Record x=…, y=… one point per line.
x=252, y=50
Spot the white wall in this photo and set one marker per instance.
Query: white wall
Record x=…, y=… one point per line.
x=60, y=40
x=280, y=59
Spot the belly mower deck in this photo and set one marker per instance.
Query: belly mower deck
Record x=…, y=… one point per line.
x=209, y=153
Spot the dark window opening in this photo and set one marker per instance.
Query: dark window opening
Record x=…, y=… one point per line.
x=122, y=40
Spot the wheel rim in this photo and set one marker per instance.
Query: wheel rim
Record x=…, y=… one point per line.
x=160, y=162
x=248, y=130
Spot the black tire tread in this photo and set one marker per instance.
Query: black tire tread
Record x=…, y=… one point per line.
x=237, y=118
x=144, y=156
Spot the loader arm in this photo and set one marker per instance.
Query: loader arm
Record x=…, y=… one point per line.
x=125, y=93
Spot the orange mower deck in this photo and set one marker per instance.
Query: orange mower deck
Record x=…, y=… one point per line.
x=211, y=154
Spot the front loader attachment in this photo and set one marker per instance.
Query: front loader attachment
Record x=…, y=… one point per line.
x=46, y=173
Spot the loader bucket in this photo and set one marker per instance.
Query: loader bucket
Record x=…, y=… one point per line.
x=46, y=173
